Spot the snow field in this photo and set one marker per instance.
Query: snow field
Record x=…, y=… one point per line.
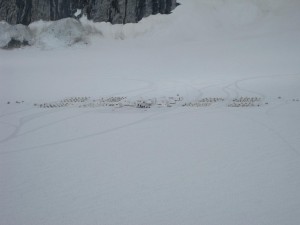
x=204, y=163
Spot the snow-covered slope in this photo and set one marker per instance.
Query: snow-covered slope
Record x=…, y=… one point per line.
x=218, y=145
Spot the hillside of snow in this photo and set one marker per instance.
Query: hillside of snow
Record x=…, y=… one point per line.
x=189, y=118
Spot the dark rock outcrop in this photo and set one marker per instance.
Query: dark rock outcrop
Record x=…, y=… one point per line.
x=114, y=11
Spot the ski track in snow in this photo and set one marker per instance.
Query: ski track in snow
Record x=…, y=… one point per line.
x=77, y=138
x=269, y=109
x=275, y=132
x=233, y=87
x=28, y=118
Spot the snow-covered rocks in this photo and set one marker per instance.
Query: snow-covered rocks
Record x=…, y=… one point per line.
x=12, y=36
x=61, y=33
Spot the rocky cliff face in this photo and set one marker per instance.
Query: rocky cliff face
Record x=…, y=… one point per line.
x=114, y=11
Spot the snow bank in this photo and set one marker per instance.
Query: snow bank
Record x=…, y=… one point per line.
x=125, y=31
x=69, y=31
x=14, y=35
x=61, y=33
x=208, y=18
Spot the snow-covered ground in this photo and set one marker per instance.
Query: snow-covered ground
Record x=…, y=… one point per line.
x=220, y=143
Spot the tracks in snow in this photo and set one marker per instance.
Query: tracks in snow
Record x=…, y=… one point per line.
x=230, y=95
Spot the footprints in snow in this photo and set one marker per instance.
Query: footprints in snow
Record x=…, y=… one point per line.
x=119, y=102
x=145, y=103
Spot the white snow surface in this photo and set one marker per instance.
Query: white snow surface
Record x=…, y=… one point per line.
x=75, y=148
